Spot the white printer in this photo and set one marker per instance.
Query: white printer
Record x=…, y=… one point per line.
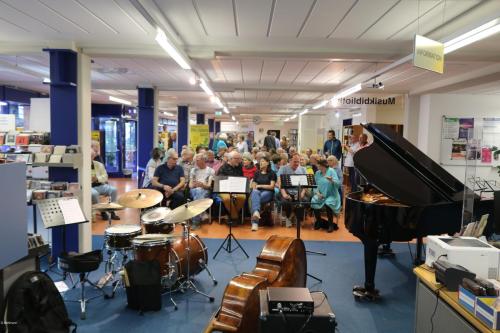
x=477, y=256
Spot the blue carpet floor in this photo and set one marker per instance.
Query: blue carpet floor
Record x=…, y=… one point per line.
x=340, y=269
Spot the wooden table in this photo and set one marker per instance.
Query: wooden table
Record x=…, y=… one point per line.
x=449, y=315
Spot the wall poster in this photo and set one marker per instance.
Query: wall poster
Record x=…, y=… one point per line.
x=480, y=135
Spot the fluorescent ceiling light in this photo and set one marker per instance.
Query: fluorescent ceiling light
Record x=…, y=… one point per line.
x=168, y=114
x=354, y=115
x=217, y=101
x=162, y=39
x=481, y=32
x=192, y=81
x=304, y=112
x=237, y=123
x=287, y=119
x=119, y=100
x=337, y=114
x=346, y=92
x=225, y=109
x=204, y=86
x=293, y=117
x=46, y=80
x=3, y=103
x=234, y=119
x=320, y=105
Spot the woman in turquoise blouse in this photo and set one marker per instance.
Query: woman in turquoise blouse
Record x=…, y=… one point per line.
x=326, y=195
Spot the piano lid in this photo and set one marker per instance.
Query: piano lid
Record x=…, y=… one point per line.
x=401, y=171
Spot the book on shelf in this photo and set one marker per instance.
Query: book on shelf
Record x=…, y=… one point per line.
x=59, y=150
x=73, y=149
x=55, y=158
x=47, y=149
x=10, y=139
x=39, y=138
x=22, y=140
x=40, y=172
x=26, y=158
x=41, y=157
x=2, y=138
x=34, y=148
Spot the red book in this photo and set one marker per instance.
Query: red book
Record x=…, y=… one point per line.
x=22, y=140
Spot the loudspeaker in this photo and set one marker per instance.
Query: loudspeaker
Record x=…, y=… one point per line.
x=323, y=319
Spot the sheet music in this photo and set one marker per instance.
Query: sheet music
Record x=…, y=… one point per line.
x=71, y=211
x=297, y=180
x=233, y=185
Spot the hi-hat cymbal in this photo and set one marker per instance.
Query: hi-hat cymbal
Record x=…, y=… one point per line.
x=155, y=215
x=141, y=198
x=107, y=207
x=187, y=211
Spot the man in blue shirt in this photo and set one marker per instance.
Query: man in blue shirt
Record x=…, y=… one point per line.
x=169, y=178
x=291, y=194
x=332, y=146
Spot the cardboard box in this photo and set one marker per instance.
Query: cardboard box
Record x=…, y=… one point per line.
x=467, y=299
x=486, y=313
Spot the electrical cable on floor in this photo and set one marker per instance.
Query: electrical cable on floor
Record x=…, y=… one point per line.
x=435, y=308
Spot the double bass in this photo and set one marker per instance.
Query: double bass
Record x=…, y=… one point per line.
x=282, y=263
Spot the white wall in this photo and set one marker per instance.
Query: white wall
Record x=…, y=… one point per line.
x=39, y=115
x=433, y=107
x=312, y=132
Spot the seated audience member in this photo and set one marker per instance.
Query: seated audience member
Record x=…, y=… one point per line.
x=96, y=147
x=200, y=183
x=334, y=164
x=186, y=162
x=100, y=185
x=255, y=150
x=275, y=163
x=210, y=159
x=221, y=153
x=313, y=162
x=280, y=151
x=283, y=159
x=309, y=153
x=262, y=190
x=284, y=143
x=233, y=168
x=292, y=151
x=153, y=163
x=248, y=167
x=222, y=142
x=326, y=194
x=169, y=178
x=291, y=194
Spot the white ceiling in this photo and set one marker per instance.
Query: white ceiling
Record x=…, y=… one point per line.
x=268, y=57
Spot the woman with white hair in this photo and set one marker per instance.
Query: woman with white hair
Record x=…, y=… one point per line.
x=222, y=142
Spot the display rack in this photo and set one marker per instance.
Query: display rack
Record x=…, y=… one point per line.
x=293, y=137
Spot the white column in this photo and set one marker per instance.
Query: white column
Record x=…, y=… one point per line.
x=156, y=116
x=84, y=140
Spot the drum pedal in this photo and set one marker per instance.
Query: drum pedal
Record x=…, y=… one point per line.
x=104, y=280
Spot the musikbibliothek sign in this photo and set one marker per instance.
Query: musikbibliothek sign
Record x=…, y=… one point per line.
x=367, y=101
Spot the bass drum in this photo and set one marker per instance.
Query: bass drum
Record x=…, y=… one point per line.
x=179, y=256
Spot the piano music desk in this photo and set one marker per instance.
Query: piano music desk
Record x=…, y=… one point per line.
x=450, y=316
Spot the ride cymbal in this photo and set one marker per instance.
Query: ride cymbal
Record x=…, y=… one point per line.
x=188, y=211
x=107, y=207
x=141, y=198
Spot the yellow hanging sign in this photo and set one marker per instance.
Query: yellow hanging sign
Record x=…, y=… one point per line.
x=428, y=54
x=199, y=136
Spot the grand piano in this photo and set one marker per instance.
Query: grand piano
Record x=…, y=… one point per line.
x=408, y=196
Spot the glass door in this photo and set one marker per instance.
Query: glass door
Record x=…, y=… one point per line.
x=111, y=145
x=130, y=156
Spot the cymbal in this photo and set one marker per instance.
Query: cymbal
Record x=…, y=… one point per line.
x=156, y=214
x=107, y=207
x=187, y=211
x=140, y=198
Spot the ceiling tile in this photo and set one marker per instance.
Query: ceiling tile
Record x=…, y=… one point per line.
x=253, y=17
x=291, y=70
x=251, y=70
x=288, y=17
x=217, y=16
x=325, y=17
x=232, y=70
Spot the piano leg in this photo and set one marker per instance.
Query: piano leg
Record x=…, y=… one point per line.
x=368, y=291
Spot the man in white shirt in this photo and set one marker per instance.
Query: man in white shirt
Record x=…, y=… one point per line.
x=100, y=185
x=276, y=140
x=352, y=148
x=200, y=183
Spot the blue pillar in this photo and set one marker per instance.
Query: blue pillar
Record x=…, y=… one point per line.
x=217, y=127
x=211, y=127
x=63, y=130
x=200, y=119
x=182, y=126
x=145, y=127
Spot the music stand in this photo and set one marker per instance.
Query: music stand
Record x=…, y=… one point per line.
x=225, y=185
x=299, y=182
x=53, y=216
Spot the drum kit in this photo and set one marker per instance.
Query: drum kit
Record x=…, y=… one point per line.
x=181, y=256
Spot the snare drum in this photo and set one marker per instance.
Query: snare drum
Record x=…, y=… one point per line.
x=119, y=237
x=153, y=221
x=153, y=247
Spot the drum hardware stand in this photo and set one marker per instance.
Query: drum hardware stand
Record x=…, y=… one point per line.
x=189, y=283
x=230, y=236
x=298, y=203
